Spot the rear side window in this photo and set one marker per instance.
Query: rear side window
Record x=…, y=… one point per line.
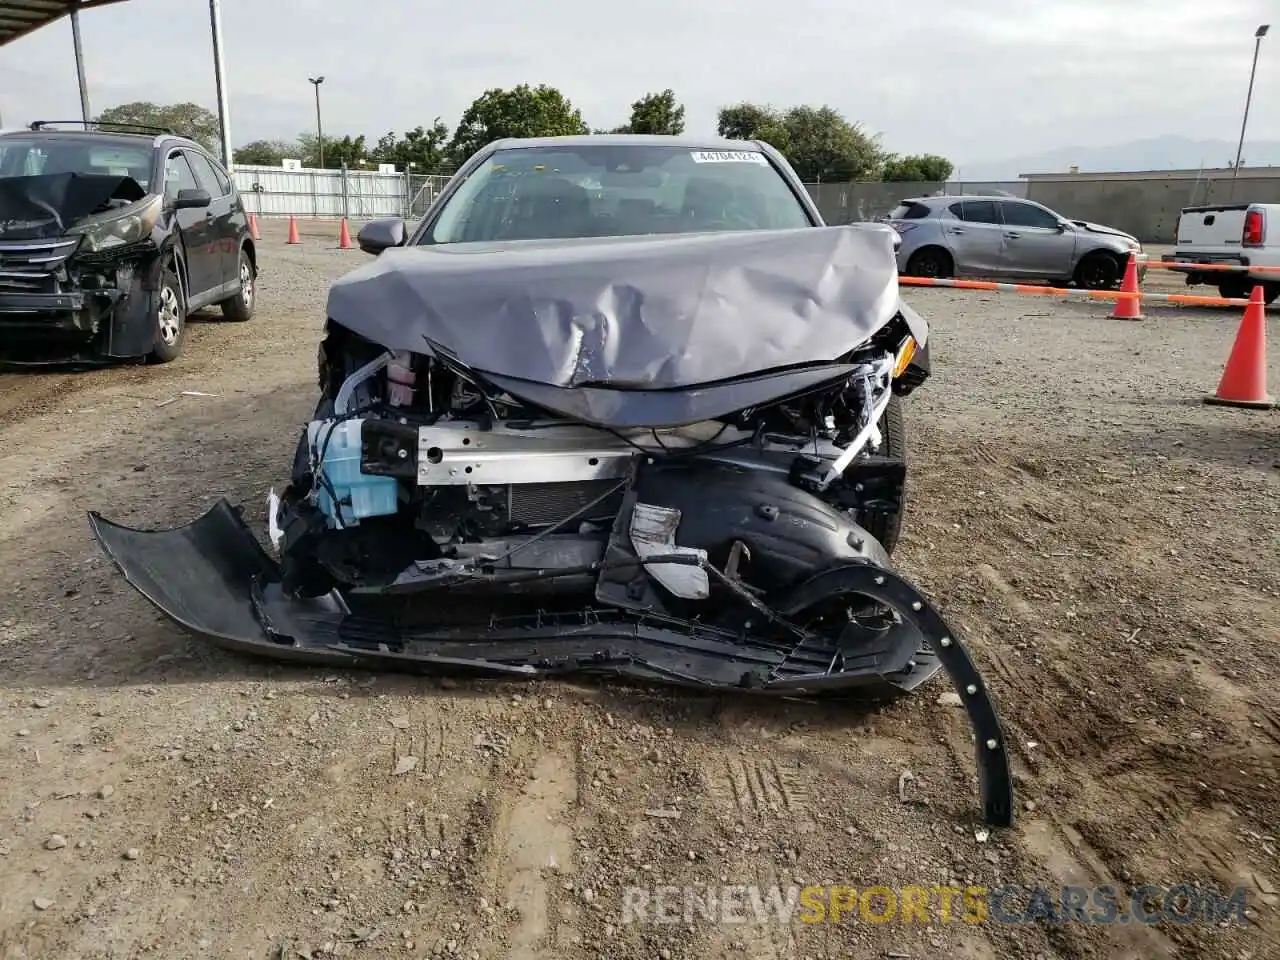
x=909, y=211
x=223, y=180
x=976, y=211
x=207, y=175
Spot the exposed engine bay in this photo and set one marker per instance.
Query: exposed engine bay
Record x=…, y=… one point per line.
x=76, y=262
x=412, y=457
x=582, y=502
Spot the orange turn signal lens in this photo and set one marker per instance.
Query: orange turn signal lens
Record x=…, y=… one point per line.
x=905, y=353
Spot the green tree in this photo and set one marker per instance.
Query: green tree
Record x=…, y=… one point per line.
x=823, y=146
x=185, y=119
x=423, y=148
x=918, y=168
x=349, y=150
x=657, y=113
x=818, y=141
x=266, y=153
x=522, y=111
x=752, y=121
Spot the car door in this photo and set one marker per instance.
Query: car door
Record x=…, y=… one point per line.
x=975, y=235
x=225, y=233
x=1036, y=245
x=195, y=226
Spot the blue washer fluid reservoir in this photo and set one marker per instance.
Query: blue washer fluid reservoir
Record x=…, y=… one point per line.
x=359, y=495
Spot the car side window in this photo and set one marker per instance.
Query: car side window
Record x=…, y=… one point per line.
x=178, y=175
x=206, y=174
x=224, y=181
x=1026, y=215
x=981, y=211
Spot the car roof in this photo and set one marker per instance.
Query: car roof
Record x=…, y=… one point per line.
x=952, y=198
x=625, y=139
x=98, y=136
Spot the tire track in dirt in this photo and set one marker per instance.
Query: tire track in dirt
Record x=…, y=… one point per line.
x=760, y=796
x=1064, y=852
x=530, y=855
x=1136, y=767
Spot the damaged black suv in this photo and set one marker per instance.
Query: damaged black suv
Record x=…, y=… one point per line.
x=109, y=240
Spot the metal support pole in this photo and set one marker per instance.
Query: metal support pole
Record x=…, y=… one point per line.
x=319, y=129
x=220, y=77
x=1253, y=70
x=84, y=85
x=315, y=82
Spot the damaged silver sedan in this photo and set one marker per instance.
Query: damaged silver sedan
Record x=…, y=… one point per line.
x=619, y=406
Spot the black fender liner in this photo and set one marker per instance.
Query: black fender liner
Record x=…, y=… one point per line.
x=133, y=327
x=214, y=579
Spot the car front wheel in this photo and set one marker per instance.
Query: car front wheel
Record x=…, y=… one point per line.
x=1099, y=271
x=169, y=314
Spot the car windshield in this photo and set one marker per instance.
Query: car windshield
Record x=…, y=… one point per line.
x=616, y=190
x=21, y=157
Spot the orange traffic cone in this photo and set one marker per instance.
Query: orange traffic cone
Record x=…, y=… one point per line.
x=1244, y=381
x=1129, y=308
x=253, y=227
x=293, y=231
x=344, y=236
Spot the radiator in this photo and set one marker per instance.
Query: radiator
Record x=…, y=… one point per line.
x=538, y=504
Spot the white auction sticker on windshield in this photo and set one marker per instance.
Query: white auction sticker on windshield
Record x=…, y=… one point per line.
x=729, y=156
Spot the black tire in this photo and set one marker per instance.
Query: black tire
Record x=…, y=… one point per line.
x=931, y=262
x=1243, y=290
x=886, y=527
x=239, y=308
x=1235, y=289
x=169, y=316
x=1099, y=271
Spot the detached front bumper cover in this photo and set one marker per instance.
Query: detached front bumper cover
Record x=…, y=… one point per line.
x=213, y=578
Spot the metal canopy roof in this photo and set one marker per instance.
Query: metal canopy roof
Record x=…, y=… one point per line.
x=20, y=17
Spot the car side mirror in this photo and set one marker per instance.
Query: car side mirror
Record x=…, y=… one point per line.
x=191, y=199
x=378, y=235
x=1063, y=226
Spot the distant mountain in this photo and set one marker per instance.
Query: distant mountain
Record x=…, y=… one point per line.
x=1158, y=153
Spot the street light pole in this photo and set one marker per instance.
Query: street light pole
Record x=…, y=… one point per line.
x=1257, y=45
x=79, y=49
x=316, y=81
x=220, y=79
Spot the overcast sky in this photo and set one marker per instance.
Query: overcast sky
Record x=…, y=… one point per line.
x=974, y=80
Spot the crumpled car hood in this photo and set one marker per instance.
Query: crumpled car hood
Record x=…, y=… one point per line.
x=44, y=206
x=1103, y=229
x=651, y=313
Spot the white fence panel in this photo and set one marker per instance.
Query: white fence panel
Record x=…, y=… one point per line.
x=358, y=194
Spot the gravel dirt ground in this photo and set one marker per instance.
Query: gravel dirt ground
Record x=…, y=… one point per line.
x=1109, y=545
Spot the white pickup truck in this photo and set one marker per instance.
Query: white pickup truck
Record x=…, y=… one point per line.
x=1243, y=234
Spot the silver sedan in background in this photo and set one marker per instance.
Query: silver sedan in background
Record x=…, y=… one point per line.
x=1005, y=237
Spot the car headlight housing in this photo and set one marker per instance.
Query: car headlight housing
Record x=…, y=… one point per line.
x=128, y=225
